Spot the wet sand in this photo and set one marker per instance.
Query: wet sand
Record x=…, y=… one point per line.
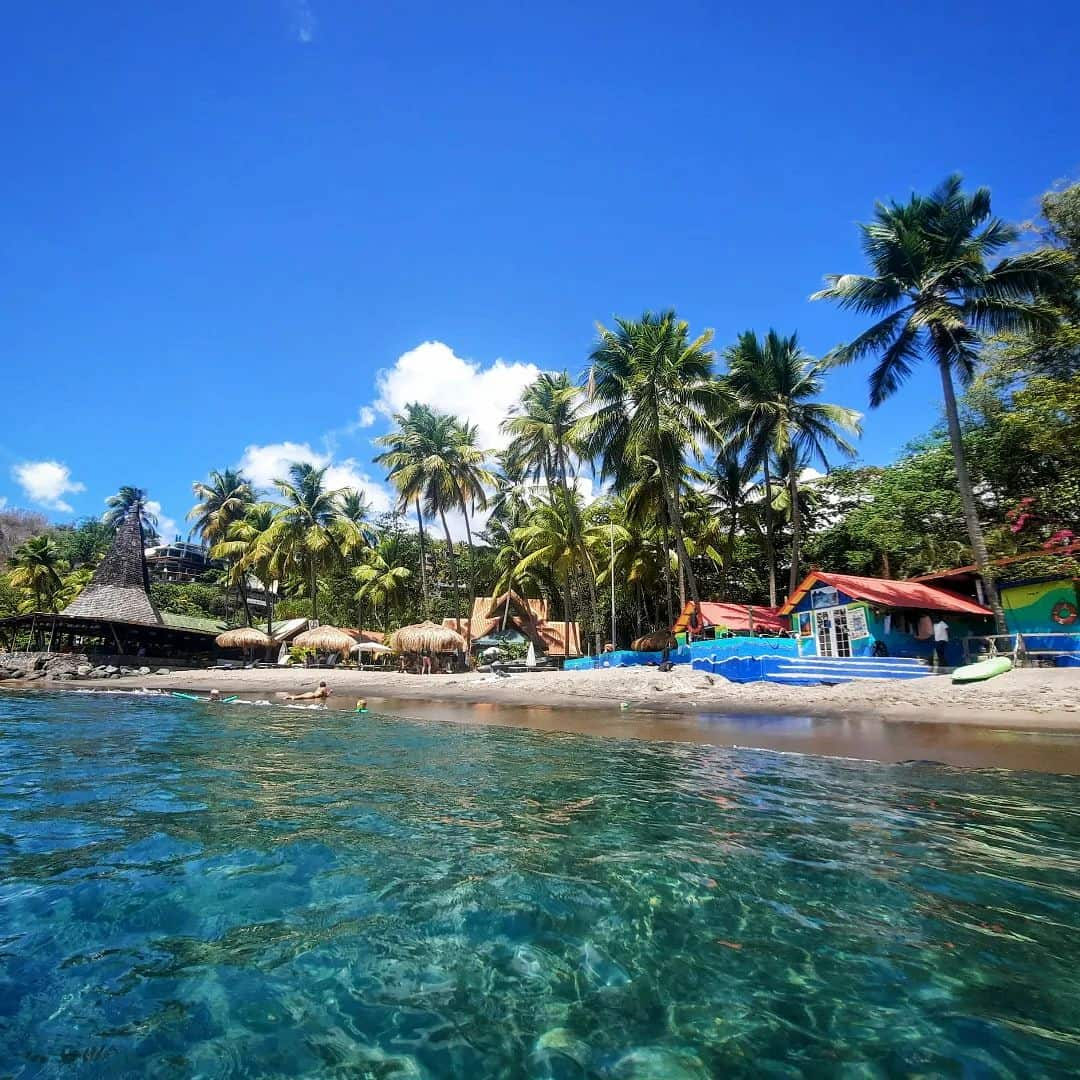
x=1027, y=719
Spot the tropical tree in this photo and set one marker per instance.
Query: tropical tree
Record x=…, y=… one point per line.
x=306, y=533
x=774, y=386
x=936, y=296
x=729, y=488
x=653, y=393
x=403, y=458
x=542, y=427
x=381, y=577
x=471, y=479
x=552, y=538
x=357, y=531
x=246, y=552
x=223, y=498
x=119, y=505
x=37, y=574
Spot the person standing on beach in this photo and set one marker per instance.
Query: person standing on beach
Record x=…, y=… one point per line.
x=941, y=639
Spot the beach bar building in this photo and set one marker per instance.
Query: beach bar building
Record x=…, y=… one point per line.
x=114, y=617
x=714, y=619
x=841, y=615
x=511, y=619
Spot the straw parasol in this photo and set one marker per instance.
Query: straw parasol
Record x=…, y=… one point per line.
x=373, y=647
x=325, y=639
x=426, y=637
x=243, y=637
x=657, y=641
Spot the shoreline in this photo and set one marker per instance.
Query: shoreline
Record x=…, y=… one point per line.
x=1029, y=698
x=1029, y=722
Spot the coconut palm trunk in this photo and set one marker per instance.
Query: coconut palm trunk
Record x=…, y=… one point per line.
x=967, y=497
x=472, y=580
x=770, y=549
x=566, y=614
x=423, y=557
x=453, y=569
x=666, y=561
x=796, y=528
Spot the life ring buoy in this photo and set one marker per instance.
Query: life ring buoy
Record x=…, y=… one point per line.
x=1063, y=613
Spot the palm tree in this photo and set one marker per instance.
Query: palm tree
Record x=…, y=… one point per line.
x=471, y=480
x=306, y=533
x=223, y=499
x=402, y=458
x=935, y=296
x=774, y=385
x=552, y=538
x=654, y=394
x=245, y=550
x=381, y=577
x=36, y=571
x=119, y=505
x=357, y=532
x=542, y=427
x=729, y=489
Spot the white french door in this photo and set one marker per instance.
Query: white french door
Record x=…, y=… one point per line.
x=831, y=631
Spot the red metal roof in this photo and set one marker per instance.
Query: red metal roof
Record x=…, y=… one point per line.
x=904, y=594
x=733, y=616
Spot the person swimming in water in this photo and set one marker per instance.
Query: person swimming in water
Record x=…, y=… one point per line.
x=321, y=693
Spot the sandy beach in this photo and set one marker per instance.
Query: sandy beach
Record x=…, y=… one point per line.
x=1030, y=697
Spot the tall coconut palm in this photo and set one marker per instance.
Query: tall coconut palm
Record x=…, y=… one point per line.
x=935, y=296
x=471, y=481
x=553, y=538
x=306, y=533
x=223, y=499
x=405, y=451
x=381, y=577
x=653, y=393
x=246, y=551
x=358, y=534
x=729, y=488
x=119, y=505
x=775, y=412
x=542, y=426
x=37, y=572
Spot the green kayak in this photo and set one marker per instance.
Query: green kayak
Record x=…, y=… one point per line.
x=984, y=669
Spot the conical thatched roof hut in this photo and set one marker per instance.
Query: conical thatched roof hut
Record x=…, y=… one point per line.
x=426, y=637
x=326, y=639
x=120, y=587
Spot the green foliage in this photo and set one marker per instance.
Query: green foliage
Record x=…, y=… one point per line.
x=195, y=599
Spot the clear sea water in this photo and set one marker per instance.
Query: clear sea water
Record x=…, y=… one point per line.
x=243, y=891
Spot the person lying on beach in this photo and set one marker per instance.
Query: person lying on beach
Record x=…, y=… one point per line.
x=320, y=694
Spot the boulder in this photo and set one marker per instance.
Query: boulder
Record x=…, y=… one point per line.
x=84, y=671
x=163, y=671
x=144, y=671
x=111, y=670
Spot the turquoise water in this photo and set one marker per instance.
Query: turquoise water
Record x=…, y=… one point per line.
x=243, y=891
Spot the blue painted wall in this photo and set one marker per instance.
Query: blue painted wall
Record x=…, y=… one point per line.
x=897, y=643
x=721, y=649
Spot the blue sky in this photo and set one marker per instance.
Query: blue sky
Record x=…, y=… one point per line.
x=229, y=227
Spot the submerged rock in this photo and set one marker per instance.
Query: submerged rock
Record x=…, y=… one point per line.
x=659, y=1063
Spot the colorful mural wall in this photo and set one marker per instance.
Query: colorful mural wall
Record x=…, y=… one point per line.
x=1047, y=613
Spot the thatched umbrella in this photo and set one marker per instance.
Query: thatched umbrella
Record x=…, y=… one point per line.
x=426, y=637
x=243, y=637
x=657, y=641
x=325, y=639
x=374, y=647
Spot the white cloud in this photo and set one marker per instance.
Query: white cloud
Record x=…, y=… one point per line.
x=3, y=502
x=303, y=20
x=432, y=374
x=46, y=483
x=166, y=525
x=366, y=417
x=263, y=464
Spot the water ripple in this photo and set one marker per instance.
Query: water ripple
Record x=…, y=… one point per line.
x=267, y=892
